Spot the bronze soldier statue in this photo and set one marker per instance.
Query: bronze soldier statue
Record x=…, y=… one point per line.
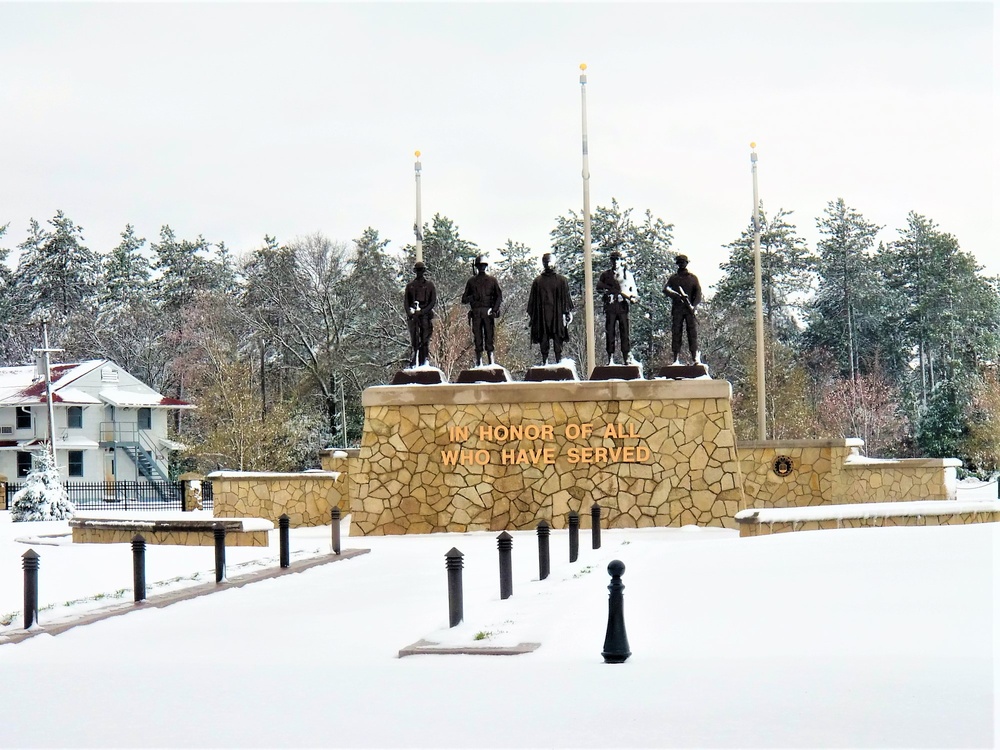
x=483, y=295
x=550, y=309
x=419, y=300
x=619, y=287
x=685, y=295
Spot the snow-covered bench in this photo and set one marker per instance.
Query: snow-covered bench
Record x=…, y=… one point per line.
x=168, y=528
x=757, y=522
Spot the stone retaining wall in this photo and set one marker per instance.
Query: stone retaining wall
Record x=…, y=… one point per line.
x=306, y=497
x=951, y=519
x=832, y=472
x=445, y=457
x=89, y=535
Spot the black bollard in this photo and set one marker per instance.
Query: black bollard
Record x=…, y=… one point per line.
x=29, y=561
x=139, y=568
x=543, y=550
x=574, y=535
x=505, y=542
x=219, y=531
x=595, y=526
x=453, y=562
x=335, y=529
x=284, y=556
x=615, y=640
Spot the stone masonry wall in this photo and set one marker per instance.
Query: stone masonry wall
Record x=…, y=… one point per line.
x=306, y=497
x=178, y=537
x=951, y=519
x=832, y=472
x=444, y=457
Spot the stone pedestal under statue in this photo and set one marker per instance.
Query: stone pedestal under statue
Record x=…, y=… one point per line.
x=507, y=455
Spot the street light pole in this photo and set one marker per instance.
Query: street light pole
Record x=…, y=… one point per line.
x=588, y=271
x=758, y=294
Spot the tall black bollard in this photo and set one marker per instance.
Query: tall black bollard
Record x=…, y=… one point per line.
x=219, y=531
x=284, y=556
x=505, y=542
x=453, y=562
x=139, y=568
x=29, y=561
x=335, y=529
x=574, y=535
x=595, y=526
x=615, y=640
x=543, y=550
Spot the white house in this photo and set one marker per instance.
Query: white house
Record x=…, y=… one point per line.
x=108, y=425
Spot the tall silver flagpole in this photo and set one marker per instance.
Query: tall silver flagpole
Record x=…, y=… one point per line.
x=418, y=227
x=758, y=294
x=588, y=271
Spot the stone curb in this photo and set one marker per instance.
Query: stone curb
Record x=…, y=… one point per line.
x=422, y=647
x=191, y=592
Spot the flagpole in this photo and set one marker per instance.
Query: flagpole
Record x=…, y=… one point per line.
x=758, y=294
x=418, y=227
x=588, y=271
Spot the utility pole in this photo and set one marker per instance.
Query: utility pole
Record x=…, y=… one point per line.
x=588, y=271
x=45, y=351
x=757, y=287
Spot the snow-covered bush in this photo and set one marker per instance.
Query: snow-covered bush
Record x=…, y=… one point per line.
x=43, y=497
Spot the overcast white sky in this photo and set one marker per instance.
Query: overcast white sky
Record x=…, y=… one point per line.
x=237, y=120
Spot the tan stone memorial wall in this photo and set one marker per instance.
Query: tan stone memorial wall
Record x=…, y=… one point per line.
x=832, y=472
x=305, y=496
x=505, y=456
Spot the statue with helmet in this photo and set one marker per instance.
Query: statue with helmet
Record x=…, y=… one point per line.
x=684, y=292
x=419, y=300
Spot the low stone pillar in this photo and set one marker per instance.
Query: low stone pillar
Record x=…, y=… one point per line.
x=3, y=492
x=191, y=491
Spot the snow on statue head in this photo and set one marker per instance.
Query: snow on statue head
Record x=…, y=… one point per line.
x=43, y=497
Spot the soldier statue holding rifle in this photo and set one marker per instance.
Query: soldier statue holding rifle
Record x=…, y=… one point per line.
x=419, y=300
x=685, y=295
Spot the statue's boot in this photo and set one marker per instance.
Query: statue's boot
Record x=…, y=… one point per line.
x=489, y=356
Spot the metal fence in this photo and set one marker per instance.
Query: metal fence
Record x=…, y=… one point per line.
x=124, y=495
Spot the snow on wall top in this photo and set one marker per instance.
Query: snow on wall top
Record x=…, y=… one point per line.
x=867, y=510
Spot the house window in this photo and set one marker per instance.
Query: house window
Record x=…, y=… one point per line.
x=23, y=418
x=145, y=418
x=74, y=417
x=75, y=463
x=23, y=463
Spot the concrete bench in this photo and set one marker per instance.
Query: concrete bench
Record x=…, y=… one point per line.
x=758, y=522
x=168, y=528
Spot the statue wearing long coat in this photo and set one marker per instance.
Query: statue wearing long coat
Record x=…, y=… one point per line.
x=548, y=303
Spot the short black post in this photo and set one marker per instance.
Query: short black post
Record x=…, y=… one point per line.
x=453, y=562
x=615, y=640
x=595, y=526
x=139, y=568
x=574, y=535
x=284, y=557
x=29, y=561
x=505, y=543
x=219, y=531
x=335, y=529
x=543, y=550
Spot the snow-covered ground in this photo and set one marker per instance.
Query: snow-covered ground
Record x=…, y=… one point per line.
x=847, y=638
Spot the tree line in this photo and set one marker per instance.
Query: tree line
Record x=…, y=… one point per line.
x=895, y=343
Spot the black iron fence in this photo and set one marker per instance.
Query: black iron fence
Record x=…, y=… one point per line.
x=124, y=495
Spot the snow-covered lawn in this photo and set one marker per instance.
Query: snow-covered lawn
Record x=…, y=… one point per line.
x=847, y=638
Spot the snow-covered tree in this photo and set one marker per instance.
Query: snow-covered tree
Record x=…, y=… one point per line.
x=43, y=497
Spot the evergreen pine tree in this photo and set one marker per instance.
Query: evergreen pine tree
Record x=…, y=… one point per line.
x=43, y=497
